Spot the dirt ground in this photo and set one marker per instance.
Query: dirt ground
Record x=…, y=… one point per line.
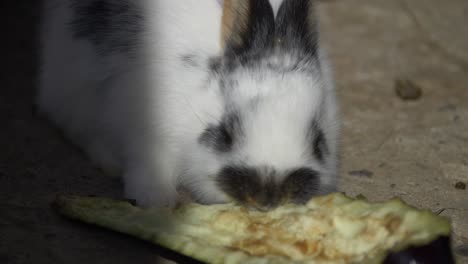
x=416, y=149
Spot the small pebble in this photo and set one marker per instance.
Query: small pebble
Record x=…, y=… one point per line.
x=407, y=90
x=460, y=185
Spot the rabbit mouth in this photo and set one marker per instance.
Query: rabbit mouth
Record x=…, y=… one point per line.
x=267, y=189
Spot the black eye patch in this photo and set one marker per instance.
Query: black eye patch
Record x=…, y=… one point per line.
x=217, y=137
x=221, y=137
x=319, y=145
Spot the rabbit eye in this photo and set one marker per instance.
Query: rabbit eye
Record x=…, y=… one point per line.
x=221, y=137
x=217, y=137
x=319, y=145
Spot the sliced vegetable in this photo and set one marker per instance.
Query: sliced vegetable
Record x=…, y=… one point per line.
x=328, y=229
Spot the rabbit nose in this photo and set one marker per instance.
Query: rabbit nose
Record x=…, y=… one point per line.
x=252, y=187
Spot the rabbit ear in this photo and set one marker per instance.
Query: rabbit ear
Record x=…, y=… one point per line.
x=296, y=26
x=247, y=26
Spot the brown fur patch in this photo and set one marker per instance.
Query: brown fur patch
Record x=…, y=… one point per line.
x=235, y=21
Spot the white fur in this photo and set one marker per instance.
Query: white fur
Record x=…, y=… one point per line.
x=276, y=112
x=275, y=4
x=141, y=116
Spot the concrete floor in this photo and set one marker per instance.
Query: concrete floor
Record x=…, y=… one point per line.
x=417, y=150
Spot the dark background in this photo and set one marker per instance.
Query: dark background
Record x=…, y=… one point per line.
x=36, y=163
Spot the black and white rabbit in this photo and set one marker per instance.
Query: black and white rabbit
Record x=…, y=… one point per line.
x=213, y=100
